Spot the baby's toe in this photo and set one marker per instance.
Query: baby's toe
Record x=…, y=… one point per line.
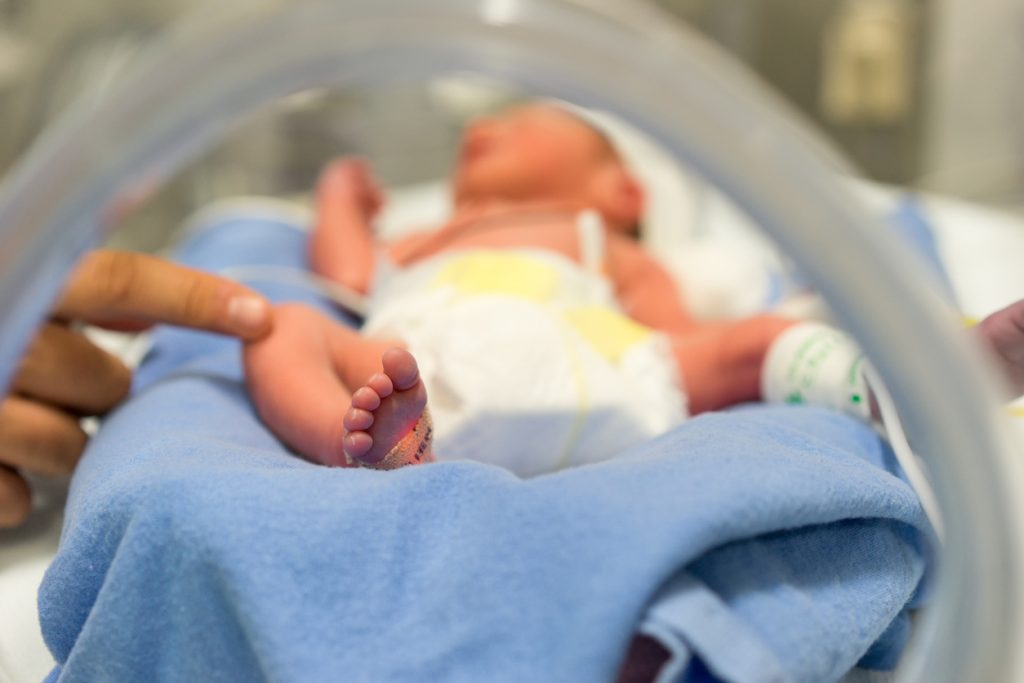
x=358, y=419
x=357, y=444
x=400, y=366
x=381, y=384
x=366, y=399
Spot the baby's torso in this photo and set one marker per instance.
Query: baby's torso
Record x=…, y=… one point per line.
x=547, y=258
x=527, y=359
x=554, y=231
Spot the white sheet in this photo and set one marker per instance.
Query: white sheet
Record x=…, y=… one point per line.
x=24, y=556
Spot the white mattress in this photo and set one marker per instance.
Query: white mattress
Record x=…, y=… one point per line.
x=24, y=556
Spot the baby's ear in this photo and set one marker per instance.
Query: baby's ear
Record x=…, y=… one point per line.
x=618, y=196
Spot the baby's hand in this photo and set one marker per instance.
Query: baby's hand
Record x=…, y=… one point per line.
x=348, y=181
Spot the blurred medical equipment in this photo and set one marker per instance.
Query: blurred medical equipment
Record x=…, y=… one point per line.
x=52, y=206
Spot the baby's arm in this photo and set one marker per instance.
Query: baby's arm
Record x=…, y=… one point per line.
x=644, y=289
x=342, y=247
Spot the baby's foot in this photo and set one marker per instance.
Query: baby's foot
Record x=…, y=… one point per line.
x=387, y=425
x=1004, y=332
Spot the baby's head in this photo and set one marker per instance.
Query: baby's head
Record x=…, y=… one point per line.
x=543, y=153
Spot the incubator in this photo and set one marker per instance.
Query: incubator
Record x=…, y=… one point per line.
x=186, y=91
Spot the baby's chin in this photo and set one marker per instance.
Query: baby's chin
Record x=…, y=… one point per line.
x=491, y=176
x=469, y=192
x=482, y=189
x=479, y=178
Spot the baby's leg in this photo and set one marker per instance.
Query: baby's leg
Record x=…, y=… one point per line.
x=311, y=376
x=721, y=362
x=1004, y=333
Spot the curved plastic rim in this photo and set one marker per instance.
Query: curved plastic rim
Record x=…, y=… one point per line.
x=626, y=59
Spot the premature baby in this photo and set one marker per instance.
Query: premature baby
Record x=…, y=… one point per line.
x=541, y=330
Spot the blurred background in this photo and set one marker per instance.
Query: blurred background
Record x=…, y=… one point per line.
x=920, y=93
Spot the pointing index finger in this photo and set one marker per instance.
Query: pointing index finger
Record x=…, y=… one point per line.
x=118, y=286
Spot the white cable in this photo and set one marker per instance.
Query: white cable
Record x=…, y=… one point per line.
x=818, y=365
x=912, y=465
x=343, y=296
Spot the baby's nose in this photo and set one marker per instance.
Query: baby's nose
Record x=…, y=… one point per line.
x=479, y=136
x=482, y=128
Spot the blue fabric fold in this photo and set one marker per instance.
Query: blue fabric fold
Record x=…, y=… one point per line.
x=196, y=547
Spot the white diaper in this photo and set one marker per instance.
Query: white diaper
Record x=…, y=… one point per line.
x=526, y=361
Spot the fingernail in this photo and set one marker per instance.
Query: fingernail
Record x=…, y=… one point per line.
x=248, y=313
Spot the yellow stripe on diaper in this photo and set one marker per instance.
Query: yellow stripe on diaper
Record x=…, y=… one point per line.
x=610, y=333
x=1016, y=411
x=572, y=440
x=500, y=273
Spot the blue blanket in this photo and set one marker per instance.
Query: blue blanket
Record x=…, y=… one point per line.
x=766, y=544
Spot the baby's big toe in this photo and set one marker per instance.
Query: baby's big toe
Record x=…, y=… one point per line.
x=400, y=366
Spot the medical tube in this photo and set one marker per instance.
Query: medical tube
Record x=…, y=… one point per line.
x=628, y=59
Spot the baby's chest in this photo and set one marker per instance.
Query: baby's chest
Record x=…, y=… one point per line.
x=556, y=235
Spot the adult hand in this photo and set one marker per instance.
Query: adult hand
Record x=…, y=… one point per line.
x=63, y=376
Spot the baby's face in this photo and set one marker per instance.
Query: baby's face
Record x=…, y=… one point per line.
x=531, y=153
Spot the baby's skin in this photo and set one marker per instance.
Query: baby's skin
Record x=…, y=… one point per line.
x=520, y=179
x=1003, y=333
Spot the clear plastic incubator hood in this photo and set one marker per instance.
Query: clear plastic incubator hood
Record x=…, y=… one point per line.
x=624, y=58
